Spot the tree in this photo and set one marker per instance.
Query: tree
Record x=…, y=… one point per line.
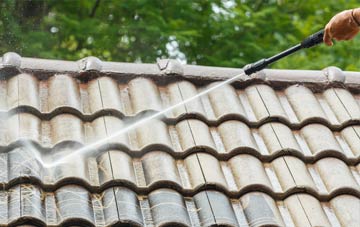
x=219, y=32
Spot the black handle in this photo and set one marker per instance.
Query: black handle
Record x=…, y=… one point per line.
x=313, y=39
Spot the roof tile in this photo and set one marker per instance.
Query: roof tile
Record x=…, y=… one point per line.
x=168, y=207
x=188, y=90
x=280, y=152
x=211, y=170
x=336, y=174
x=319, y=138
x=261, y=210
x=121, y=98
x=154, y=132
x=228, y=132
x=270, y=101
x=304, y=103
x=348, y=205
x=144, y=95
x=306, y=211
x=292, y=173
x=63, y=91
x=225, y=101
x=249, y=171
x=159, y=166
x=352, y=137
x=121, y=205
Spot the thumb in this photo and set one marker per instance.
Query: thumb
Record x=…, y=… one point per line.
x=327, y=37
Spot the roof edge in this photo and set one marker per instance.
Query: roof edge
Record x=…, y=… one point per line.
x=12, y=63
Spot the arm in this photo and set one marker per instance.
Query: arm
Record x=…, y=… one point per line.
x=343, y=26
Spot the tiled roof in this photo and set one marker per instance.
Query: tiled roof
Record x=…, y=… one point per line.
x=280, y=148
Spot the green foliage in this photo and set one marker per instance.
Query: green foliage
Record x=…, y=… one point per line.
x=219, y=32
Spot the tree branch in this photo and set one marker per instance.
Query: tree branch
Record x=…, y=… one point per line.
x=93, y=11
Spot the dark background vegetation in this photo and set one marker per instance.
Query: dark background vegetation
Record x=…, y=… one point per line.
x=218, y=32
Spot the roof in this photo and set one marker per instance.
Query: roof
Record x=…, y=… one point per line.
x=279, y=148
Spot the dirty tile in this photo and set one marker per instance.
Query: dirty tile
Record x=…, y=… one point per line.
x=224, y=101
x=336, y=103
x=110, y=94
x=236, y=135
x=115, y=165
x=144, y=95
x=305, y=210
x=168, y=207
x=188, y=90
x=292, y=173
x=210, y=170
x=160, y=166
x=63, y=91
x=347, y=210
x=304, y=103
x=74, y=202
x=257, y=103
x=260, y=210
x=153, y=133
x=336, y=174
x=352, y=137
x=121, y=205
x=28, y=91
x=271, y=101
x=248, y=172
x=349, y=103
x=66, y=127
x=319, y=138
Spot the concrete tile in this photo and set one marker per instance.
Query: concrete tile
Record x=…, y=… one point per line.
x=347, y=210
x=292, y=173
x=336, y=174
x=188, y=90
x=271, y=101
x=248, y=171
x=154, y=132
x=304, y=103
x=319, y=138
x=335, y=102
x=63, y=91
x=225, y=101
x=144, y=95
x=352, y=137
x=256, y=103
x=236, y=135
x=66, y=127
x=110, y=94
x=160, y=166
x=168, y=206
x=260, y=210
x=28, y=91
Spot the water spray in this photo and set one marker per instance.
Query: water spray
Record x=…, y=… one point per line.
x=249, y=69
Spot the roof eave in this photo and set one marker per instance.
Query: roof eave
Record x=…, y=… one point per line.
x=12, y=63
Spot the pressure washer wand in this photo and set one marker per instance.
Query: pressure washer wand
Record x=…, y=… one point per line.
x=310, y=41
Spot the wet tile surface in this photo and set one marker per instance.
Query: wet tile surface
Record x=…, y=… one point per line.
x=250, y=156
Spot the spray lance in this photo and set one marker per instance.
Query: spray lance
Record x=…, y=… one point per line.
x=310, y=41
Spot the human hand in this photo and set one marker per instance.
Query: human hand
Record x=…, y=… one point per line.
x=343, y=26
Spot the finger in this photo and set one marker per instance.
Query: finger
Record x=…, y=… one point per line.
x=347, y=36
x=352, y=35
x=327, y=36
